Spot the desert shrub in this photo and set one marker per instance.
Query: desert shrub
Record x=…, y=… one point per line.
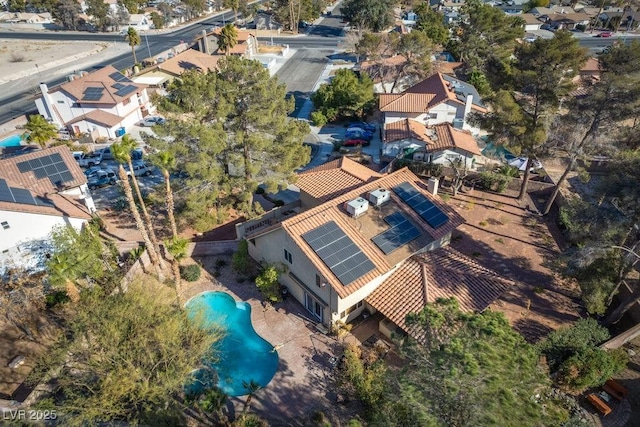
x=494, y=181
x=190, y=273
x=177, y=247
x=267, y=283
x=240, y=260
x=318, y=119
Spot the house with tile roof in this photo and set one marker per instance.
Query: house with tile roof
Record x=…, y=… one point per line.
x=437, y=99
x=360, y=237
x=39, y=191
x=162, y=74
x=438, y=144
x=246, y=43
x=104, y=103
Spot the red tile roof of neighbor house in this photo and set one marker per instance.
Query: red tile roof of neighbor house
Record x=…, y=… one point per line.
x=441, y=273
x=99, y=79
x=190, y=59
x=332, y=210
x=436, y=138
x=100, y=117
x=63, y=205
x=333, y=178
x=423, y=96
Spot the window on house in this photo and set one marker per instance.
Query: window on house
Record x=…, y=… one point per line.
x=351, y=309
x=126, y=101
x=318, y=281
x=432, y=116
x=288, y=257
x=60, y=101
x=5, y=225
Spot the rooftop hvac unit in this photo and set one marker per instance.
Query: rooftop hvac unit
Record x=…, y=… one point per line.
x=357, y=207
x=379, y=196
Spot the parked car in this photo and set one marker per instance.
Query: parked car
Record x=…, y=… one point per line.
x=605, y=34
x=96, y=171
x=370, y=127
x=153, y=120
x=88, y=160
x=101, y=178
x=354, y=142
x=358, y=134
x=140, y=168
x=136, y=154
x=530, y=38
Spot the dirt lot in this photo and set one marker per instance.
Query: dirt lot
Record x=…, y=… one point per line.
x=522, y=246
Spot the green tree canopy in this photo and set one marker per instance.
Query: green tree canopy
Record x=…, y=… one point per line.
x=125, y=358
x=231, y=133
x=39, y=130
x=347, y=95
x=99, y=10
x=471, y=370
x=574, y=354
x=374, y=15
x=432, y=24
x=228, y=38
x=66, y=13
x=133, y=38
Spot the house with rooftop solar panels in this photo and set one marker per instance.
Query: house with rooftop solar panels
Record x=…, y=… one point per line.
x=104, y=103
x=39, y=191
x=363, y=241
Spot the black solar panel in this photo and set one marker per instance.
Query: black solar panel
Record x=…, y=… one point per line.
x=402, y=231
x=19, y=195
x=126, y=90
x=119, y=77
x=117, y=86
x=50, y=166
x=338, y=252
x=421, y=205
x=92, y=93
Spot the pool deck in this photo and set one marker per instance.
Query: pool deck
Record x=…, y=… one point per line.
x=303, y=383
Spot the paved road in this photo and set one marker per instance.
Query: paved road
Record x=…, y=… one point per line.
x=301, y=72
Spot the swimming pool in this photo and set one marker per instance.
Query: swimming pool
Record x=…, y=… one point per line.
x=243, y=355
x=12, y=141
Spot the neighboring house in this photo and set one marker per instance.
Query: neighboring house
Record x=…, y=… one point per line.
x=104, y=103
x=363, y=240
x=437, y=99
x=531, y=22
x=266, y=21
x=39, y=191
x=162, y=74
x=140, y=22
x=539, y=11
x=438, y=144
x=566, y=21
x=512, y=9
x=589, y=74
x=246, y=46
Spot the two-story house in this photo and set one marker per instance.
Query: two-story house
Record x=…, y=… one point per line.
x=438, y=144
x=104, y=103
x=163, y=73
x=437, y=99
x=358, y=236
x=39, y=191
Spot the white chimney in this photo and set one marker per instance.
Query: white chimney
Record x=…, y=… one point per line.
x=48, y=104
x=467, y=107
x=205, y=42
x=432, y=185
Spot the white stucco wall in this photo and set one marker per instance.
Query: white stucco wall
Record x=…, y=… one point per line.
x=23, y=229
x=446, y=112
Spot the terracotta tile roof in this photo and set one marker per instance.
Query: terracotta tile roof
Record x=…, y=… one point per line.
x=188, y=60
x=436, y=138
x=41, y=186
x=591, y=66
x=62, y=206
x=428, y=93
x=337, y=177
x=332, y=210
x=573, y=17
x=98, y=79
x=441, y=273
x=100, y=117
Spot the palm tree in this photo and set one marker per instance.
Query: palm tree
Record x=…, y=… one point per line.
x=252, y=388
x=228, y=38
x=167, y=161
x=122, y=151
x=128, y=144
x=39, y=130
x=133, y=38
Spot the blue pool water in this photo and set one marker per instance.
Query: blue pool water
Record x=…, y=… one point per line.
x=242, y=354
x=12, y=141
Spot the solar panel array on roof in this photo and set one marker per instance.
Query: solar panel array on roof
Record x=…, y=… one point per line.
x=119, y=77
x=19, y=195
x=117, y=86
x=338, y=252
x=92, y=94
x=421, y=205
x=402, y=231
x=51, y=166
x=126, y=90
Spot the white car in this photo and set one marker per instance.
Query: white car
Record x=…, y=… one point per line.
x=152, y=121
x=140, y=168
